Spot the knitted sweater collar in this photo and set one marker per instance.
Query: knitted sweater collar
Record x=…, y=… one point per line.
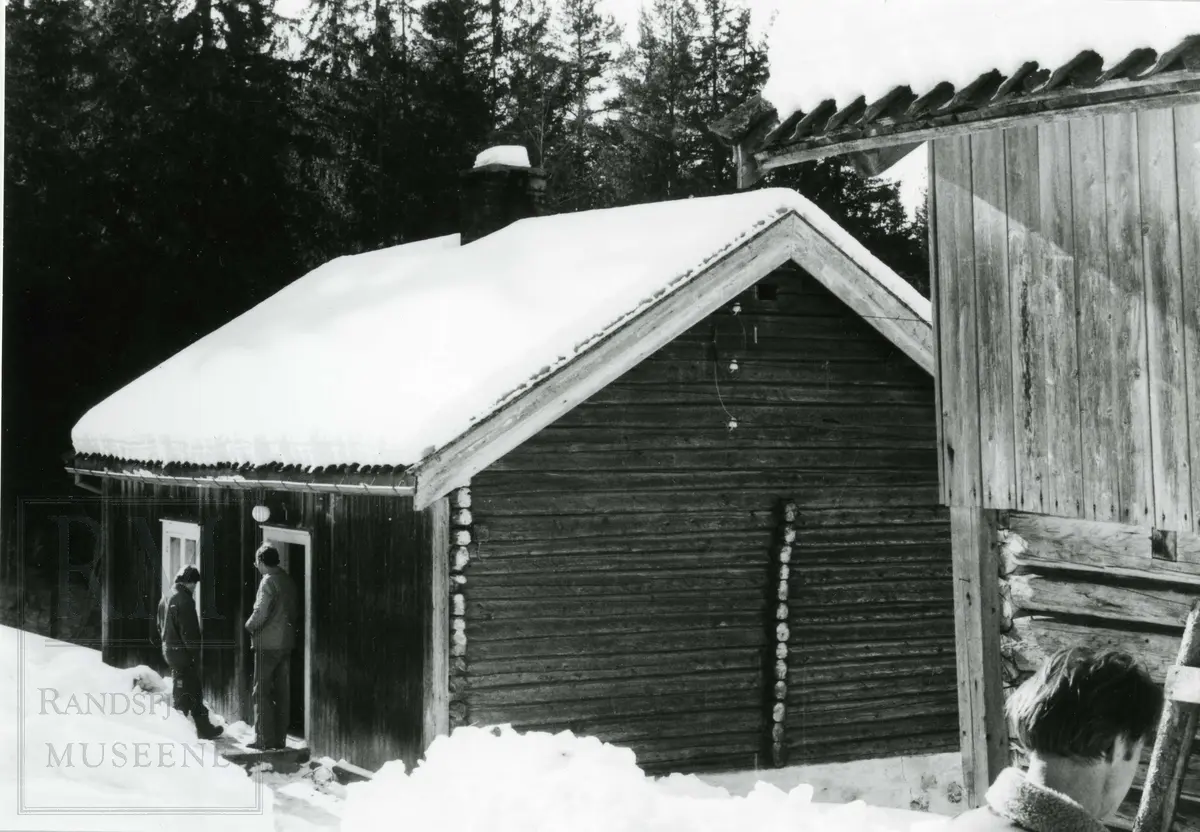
x=1037, y=808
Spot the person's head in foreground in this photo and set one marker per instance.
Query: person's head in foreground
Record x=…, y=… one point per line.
x=1083, y=720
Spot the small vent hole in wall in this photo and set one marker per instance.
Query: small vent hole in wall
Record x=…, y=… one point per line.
x=766, y=291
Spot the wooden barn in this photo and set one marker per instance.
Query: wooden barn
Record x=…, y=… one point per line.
x=665, y=475
x=1064, y=205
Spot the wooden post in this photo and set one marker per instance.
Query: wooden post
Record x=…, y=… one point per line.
x=106, y=571
x=1173, y=744
x=462, y=538
x=437, y=641
x=779, y=633
x=983, y=731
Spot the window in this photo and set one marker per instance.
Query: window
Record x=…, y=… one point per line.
x=766, y=291
x=180, y=548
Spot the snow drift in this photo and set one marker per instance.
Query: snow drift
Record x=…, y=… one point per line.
x=97, y=747
x=498, y=780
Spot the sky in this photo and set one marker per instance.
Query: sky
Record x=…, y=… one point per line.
x=910, y=173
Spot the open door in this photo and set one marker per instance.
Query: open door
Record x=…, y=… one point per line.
x=180, y=548
x=295, y=558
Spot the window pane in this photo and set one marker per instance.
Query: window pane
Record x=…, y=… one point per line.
x=189, y=552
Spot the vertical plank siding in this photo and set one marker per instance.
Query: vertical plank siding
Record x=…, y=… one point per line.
x=623, y=574
x=371, y=590
x=1126, y=363
x=996, y=436
x=1187, y=171
x=958, y=321
x=1088, y=230
x=1054, y=266
x=1094, y=326
x=1019, y=160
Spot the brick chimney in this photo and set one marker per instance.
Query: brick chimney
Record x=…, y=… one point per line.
x=501, y=189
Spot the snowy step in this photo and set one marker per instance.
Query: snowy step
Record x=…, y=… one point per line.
x=282, y=760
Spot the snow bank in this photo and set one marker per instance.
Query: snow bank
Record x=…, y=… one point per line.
x=841, y=50
x=103, y=746
x=501, y=781
x=377, y=359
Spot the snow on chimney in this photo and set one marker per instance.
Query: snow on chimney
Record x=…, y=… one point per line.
x=499, y=190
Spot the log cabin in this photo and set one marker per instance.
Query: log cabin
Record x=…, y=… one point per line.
x=664, y=474
x=1064, y=206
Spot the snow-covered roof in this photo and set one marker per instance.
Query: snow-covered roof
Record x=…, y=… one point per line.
x=857, y=75
x=380, y=358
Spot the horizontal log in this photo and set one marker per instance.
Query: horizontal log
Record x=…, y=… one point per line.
x=928, y=647
x=554, y=692
x=591, y=525
x=804, y=749
x=718, y=459
x=682, y=748
x=794, y=373
x=647, y=622
x=613, y=706
x=666, y=392
x=1033, y=594
x=804, y=620
x=938, y=625
x=1187, y=815
x=864, y=544
x=556, y=644
x=631, y=729
x=822, y=343
x=1117, y=550
x=637, y=606
x=814, y=593
x=681, y=499
x=538, y=670
x=1034, y=639
x=868, y=729
x=532, y=582
x=875, y=711
x=822, y=661
x=630, y=585
x=659, y=763
x=846, y=693
x=805, y=676
x=792, y=480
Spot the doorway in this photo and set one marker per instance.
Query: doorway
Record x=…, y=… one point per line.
x=295, y=558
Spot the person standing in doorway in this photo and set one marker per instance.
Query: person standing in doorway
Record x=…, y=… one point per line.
x=272, y=628
x=179, y=629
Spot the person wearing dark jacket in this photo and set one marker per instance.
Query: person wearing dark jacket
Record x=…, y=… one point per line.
x=1082, y=720
x=272, y=627
x=179, y=631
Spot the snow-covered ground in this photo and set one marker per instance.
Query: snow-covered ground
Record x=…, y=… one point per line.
x=99, y=748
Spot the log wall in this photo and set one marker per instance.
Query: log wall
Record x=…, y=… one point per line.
x=1068, y=273
x=624, y=582
x=1068, y=582
x=372, y=605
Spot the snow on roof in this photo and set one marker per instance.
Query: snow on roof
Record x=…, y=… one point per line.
x=379, y=358
x=821, y=50
x=513, y=155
